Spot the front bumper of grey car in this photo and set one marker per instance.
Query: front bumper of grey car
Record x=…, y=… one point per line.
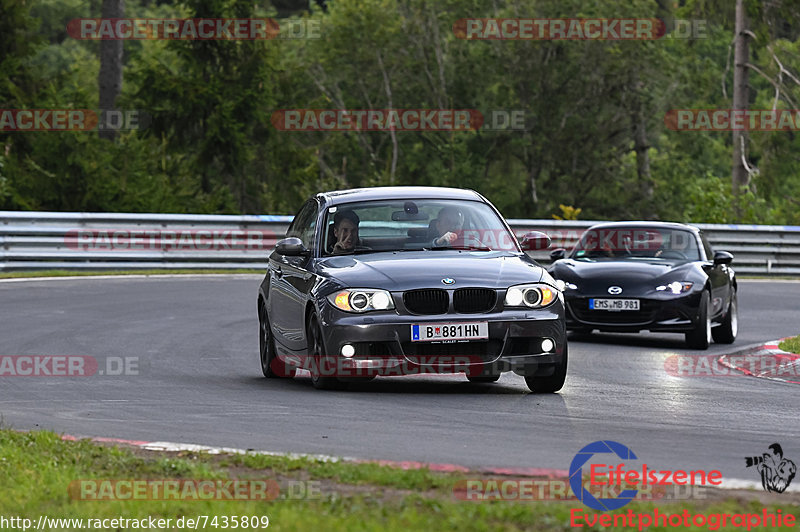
x=527, y=341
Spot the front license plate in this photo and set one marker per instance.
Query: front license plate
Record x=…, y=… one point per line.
x=450, y=331
x=614, y=304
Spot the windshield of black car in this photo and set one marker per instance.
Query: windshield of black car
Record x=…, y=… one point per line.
x=637, y=243
x=414, y=225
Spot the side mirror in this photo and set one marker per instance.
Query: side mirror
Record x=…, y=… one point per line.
x=723, y=257
x=291, y=247
x=535, y=241
x=558, y=254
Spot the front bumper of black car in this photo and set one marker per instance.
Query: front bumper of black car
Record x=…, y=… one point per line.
x=382, y=342
x=658, y=313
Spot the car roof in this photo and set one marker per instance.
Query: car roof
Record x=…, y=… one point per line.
x=337, y=197
x=647, y=225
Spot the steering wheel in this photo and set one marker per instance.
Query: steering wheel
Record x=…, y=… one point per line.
x=672, y=254
x=471, y=239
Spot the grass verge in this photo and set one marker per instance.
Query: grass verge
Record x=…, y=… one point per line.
x=72, y=273
x=791, y=345
x=37, y=469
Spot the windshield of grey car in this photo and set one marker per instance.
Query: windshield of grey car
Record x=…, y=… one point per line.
x=415, y=225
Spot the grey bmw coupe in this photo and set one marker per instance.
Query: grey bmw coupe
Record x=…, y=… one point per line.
x=408, y=281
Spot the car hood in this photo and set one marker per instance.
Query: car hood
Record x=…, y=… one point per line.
x=426, y=269
x=624, y=273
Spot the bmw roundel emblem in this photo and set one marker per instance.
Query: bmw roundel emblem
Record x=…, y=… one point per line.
x=449, y=280
x=614, y=290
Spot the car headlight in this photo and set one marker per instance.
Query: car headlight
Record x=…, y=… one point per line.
x=361, y=300
x=675, y=287
x=530, y=295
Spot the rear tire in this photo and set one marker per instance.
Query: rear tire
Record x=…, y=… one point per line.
x=319, y=358
x=271, y=365
x=551, y=383
x=727, y=331
x=700, y=337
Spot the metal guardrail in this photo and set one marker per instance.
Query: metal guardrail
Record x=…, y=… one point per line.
x=116, y=241
x=32, y=240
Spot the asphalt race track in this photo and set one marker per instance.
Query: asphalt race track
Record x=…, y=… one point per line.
x=196, y=345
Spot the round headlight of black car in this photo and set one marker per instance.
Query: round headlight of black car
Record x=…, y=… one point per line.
x=532, y=297
x=359, y=300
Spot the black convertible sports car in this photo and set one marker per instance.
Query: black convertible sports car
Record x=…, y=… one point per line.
x=633, y=276
x=409, y=280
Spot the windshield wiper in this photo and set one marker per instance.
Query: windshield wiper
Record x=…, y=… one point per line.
x=361, y=251
x=460, y=248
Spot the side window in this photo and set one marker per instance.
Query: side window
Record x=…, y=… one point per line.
x=707, y=247
x=304, y=225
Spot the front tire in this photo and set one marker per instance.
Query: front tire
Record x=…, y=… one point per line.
x=271, y=365
x=700, y=336
x=319, y=359
x=551, y=383
x=727, y=331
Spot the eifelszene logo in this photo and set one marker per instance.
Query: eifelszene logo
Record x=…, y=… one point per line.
x=776, y=471
x=622, y=478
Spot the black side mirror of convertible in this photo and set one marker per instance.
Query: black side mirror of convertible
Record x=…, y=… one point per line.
x=535, y=241
x=723, y=257
x=291, y=247
x=558, y=254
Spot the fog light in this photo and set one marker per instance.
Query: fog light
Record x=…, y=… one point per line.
x=348, y=350
x=547, y=345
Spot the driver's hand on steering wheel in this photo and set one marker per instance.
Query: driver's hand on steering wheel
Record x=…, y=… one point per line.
x=446, y=239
